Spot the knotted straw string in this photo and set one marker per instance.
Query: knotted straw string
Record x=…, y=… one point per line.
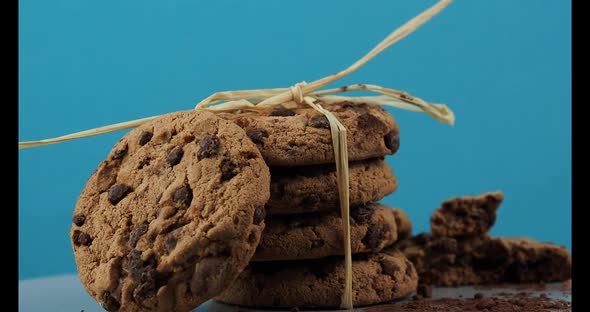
x=304, y=93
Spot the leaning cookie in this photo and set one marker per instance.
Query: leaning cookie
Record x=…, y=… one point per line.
x=301, y=136
x=172, y=216
x=296, y=190
x=311, y=236
x=377, y=278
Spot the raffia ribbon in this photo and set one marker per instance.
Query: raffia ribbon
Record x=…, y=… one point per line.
x=307, y=94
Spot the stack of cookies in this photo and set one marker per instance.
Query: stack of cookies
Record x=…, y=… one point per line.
x=242, y=207
x=298, y=261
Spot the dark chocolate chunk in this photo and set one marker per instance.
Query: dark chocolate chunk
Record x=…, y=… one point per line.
x=362, y=214
x=137, y=233
x=319, y=121
x=208, y=146
x=175, y=156
x=369, y=121
x=78, y=219
x=120, y=153
x=118, y=192
x=259, y=214
x=109, y=302
x=392, y=141
x=183, y=195
x=257, y=136
x=145, y=137
x=81, y=239
x=375, y=235
x=228, y=169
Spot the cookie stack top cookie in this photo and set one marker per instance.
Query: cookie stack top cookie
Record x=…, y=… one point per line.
x=301, y=136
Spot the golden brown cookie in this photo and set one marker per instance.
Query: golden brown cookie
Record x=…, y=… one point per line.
x=172, y=216
x=310, y=236
x=301, y=136
x=377, y=278
x=296, y=190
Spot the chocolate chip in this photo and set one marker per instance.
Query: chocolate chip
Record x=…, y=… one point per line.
x=134, y=264
x=118, y=192
x=319, y=121
x=282, y=111
x=78, y=219
x=258, y=136
x=228, y=169
x=375, y=235
x=362, y=214
x=109, y=302
x=183, y=195
x=189, y=138
x=424, y=290
x=392, y=141
x=145, y=137
x=208, y=146
x=368, y=121
x=147, y=285
x=81, y=239
x=206, y=279
x=120, y=153
x=175, y=156
x=137, y=233
x=259, y=214
x=170, y=242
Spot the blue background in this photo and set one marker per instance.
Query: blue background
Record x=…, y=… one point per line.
x=504, y=67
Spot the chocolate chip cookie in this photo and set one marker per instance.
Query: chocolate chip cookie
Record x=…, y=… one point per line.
x=377, y=277
x=172, y=216
x=301, y=136
x=466, y=216
x=447, y=261
x=309, y=236
x=296, y=190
